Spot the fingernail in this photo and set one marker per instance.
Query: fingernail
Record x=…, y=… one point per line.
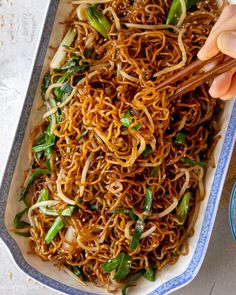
x=212, y=89
x=227, y=43
x=205, y=52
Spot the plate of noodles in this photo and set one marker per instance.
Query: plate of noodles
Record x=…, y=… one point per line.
x=112, y=185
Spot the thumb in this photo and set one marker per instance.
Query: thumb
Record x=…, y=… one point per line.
x=226, y=43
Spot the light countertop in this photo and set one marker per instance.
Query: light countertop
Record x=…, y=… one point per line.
x=20, y=26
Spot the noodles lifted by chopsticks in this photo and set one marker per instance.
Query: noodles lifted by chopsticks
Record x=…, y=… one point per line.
x=118, y=169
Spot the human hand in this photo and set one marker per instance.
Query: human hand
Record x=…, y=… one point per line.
x=222, y=38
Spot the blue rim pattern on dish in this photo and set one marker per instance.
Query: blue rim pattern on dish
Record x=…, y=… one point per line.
x=232, y=212
x=210, y=212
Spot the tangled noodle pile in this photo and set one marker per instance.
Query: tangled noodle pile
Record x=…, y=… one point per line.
x=119, y=164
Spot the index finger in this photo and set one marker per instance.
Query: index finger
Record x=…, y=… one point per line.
x=226, y=22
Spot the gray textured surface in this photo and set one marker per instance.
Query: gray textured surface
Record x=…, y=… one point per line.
x=20, y=24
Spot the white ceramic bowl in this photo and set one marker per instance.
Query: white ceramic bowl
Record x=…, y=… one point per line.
x=172, y=277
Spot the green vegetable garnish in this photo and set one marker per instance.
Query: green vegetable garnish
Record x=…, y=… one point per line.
x=82, y=134
x=112, y=263
x=57, y=225
x=192, y=162
x=88, y=53
x=124, y=267
x=76, y=270
x=30, y=179
x=147, y=151
x=137, y=234
x=45, y=84
x=98, y=21
x=184, y=206
x=61, y=53
x=125, y=120
x=127, y=212
x=149, y=274
x=176, y=10
x=148, y=200
x=44, y=196
x=130, y=281
x=180, y=138
x=17, y=222
x=154, y=172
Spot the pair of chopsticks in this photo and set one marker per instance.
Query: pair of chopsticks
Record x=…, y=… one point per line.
x=194, y=82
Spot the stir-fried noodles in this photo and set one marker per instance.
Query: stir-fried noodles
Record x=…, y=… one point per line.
x=118, y=166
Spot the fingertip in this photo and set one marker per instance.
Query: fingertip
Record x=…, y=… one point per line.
x=226, y=43
x=207, y=52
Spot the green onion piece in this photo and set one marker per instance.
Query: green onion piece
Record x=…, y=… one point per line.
x=125, y=120
x=184, y=206
x=88, y=53
x=137, y=127
x=180, y=138
x=127, y=212
x=148, y=200
x=57, y=225
x=149, y=274
x=137, y=234
x=192, y=162
x=17, y=222
x=113, y=263
x=130, y=281
x=124, y=267
x=176, y=10
x=43, y=195
x=76, y=270
x=47, y=164
x=69, y=64
x=42, y=147
x=98, y=21
x=45, y=84
x=82, y=134
x=29, y=181
x=175, y=253
x=154, y=172
x=61, y=54
x=68, y=211
x=147, y=151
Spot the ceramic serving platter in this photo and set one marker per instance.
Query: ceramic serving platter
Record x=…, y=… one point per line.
x=172, y=277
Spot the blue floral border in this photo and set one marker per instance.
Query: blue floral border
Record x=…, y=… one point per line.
x=210, y=213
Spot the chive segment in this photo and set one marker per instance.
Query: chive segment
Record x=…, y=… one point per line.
x=17, y=222
x=57, y=225
x=148, y=200
x=176, y=10
x=180, y=138
x=184, y=206
x=121, y=263
x=147, y=151
x=128, y=212
x=29, y=181
x=137, y=234
x=123, y=268
x=112, y=264
x=149, y=274
x=192, y=162
x=130, y=281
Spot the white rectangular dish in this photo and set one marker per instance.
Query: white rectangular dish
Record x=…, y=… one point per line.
x=172, y=277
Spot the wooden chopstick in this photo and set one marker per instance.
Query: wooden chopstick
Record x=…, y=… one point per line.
x=196, y=81
x=191, y=68
x=201, y=79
